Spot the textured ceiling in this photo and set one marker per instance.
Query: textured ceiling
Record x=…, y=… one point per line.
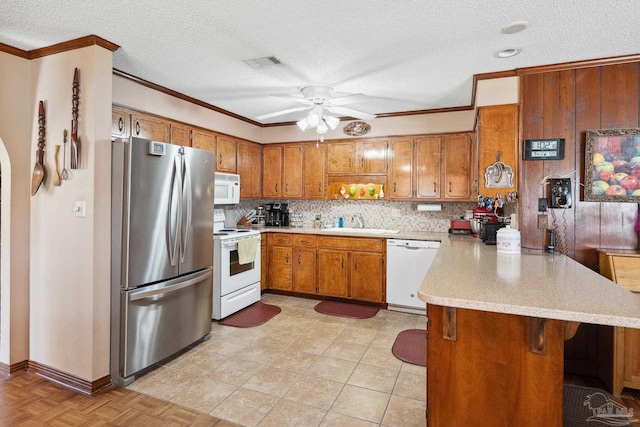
x=404, y=55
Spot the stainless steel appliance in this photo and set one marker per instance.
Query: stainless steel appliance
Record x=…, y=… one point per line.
x=162, y=253
x=407, y=263
x=277, y=214
x=227, y=189
x=236, y=282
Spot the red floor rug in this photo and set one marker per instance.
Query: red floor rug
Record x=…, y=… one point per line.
x=411, y=346
x=254, y=315
x=345, y=309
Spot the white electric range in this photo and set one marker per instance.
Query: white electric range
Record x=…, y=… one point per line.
x=235, y=285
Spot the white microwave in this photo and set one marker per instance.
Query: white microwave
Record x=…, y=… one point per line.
x=227, y=189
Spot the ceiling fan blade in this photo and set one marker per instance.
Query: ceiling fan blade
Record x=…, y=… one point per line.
x=282, y=112
x=348, y=99
x=348, y=112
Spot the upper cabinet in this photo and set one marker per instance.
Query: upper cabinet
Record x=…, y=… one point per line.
x=357, y=157
x=225, y=154
x=149, y=127
x=431, y=167
x=204, y=140
x=120, y=122
x=498, y=142
x=180, y=134
x=293, y=171
x=249, y=159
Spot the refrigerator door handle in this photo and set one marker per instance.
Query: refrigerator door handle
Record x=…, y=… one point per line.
x=189, y=201
x=174, y=221
x=146, y=294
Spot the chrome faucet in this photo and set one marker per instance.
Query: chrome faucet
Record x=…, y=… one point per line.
x=358, y=217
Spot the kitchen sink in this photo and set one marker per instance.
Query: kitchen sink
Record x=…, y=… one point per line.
x=362, y=230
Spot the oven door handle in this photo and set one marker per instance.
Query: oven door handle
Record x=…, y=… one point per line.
x=228, y=244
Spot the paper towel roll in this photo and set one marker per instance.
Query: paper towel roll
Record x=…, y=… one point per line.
x=429, y=208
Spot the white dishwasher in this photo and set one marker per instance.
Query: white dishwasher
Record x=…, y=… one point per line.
x=407, y=264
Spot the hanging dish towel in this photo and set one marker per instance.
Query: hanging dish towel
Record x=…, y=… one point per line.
x=247, y=249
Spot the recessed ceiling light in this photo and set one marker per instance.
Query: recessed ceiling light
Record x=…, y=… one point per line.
x=515, y=27
x=507, y=53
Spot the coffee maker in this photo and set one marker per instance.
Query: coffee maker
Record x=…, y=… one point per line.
x=277, y=214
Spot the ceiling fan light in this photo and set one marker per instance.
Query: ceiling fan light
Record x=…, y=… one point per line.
x=303, y=124
x=331, y=121
x=313, y=119
x=322, y=127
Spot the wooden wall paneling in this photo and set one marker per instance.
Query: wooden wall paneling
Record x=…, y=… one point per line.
x=587, y=219
x=532, y=170
x=619, y=110
x=559, y=122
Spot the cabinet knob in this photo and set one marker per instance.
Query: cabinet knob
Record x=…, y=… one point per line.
x=394, y=187
x=286, y=187
x=298, y=258
x=276, y=187
x=220, y=158
x=355, y=263
x=449, y=186
x=434, y=187
x=319, y=189
x=287, y=259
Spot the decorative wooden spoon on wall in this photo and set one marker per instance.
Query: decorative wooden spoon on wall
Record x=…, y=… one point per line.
x=56, y=175
x=39, y=171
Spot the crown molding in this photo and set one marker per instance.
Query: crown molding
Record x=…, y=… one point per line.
x=563, y=66
x=182, y=96
x=14, y=51
x=60, y=47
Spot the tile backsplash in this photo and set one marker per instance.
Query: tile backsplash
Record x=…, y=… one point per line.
x=397, y=215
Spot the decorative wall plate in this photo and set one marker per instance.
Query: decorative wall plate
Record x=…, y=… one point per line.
x=358, y=128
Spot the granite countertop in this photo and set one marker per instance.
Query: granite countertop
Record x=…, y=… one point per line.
x=468, y=274
x=408, y=235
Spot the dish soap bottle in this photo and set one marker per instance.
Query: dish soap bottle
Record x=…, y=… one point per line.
x=381, y=191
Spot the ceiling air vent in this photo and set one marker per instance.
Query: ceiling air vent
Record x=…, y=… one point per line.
x=265, y=61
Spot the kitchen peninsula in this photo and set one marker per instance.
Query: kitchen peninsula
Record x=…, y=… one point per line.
x=497, y=325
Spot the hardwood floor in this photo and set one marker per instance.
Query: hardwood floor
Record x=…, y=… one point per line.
x=28, y=400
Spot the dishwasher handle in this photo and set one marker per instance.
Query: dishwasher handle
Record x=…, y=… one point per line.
x=413, y=244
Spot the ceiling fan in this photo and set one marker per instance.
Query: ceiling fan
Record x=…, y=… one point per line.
x=317, y=98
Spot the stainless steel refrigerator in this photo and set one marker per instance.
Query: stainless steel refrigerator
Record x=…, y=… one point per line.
x=162, y=252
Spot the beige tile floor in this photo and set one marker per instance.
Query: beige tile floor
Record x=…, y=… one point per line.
x=301, y=368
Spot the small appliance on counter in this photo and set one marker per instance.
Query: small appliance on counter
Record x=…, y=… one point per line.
x=277, y=214
x=460, y=226
x=489, y=232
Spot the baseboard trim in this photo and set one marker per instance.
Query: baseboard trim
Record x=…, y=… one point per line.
x=70, y=381
x=11, y=369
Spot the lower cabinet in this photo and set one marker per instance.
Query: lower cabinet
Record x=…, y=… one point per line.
x=333, y=274
x=344, y=267
x=622, y=266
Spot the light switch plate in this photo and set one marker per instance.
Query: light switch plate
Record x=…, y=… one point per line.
x=80, y=209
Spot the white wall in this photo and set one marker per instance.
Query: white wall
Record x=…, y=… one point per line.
x=15, y=161
x=70, y=256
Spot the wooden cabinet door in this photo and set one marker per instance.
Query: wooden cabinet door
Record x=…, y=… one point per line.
x=280, y=259
x=632, y=358
x=498, y=132
x=226, y=154
x=149, y=127
x=264, y=263
x=292, y=172
x=400, y=168
x=180, y=135
x=367, y=277
x=427, y=167
x=371, y=156
x=204, y=140
x=332, y=273
x=250, y=169
x=120, y=123
x=313, y=172
x=304, y=270
x=272, y=172
x=456, y=158
x=340, y=157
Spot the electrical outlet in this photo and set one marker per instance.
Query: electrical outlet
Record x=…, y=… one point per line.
x=543, y=204
x=543, y=221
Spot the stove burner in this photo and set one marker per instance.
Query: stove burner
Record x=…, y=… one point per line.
x=221, y=234
x=242, y=231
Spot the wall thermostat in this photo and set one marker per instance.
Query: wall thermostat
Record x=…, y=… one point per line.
x=543, y=149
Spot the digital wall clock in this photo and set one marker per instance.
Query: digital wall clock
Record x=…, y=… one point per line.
x=543, y=149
